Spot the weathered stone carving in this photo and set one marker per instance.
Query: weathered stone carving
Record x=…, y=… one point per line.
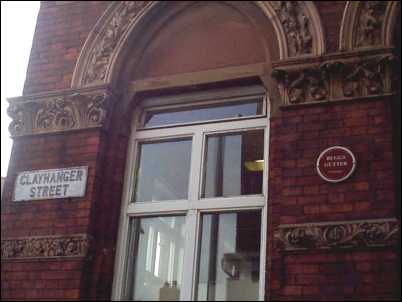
x=366, y=77
x=369, y=24
x=305, y=85
x=351, y=234
x=56, y=113
x=45, y=247
x=296, y=26
x=59, y=113
x=336, y=78
x=369, y=27
x=116, y=27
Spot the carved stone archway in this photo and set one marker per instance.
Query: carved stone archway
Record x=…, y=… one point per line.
x=297, y=26
x=368, y=24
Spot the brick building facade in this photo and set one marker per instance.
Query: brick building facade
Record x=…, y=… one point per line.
x=328, y=69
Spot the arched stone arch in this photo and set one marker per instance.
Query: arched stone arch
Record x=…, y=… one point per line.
x=297, y=26
x=368, y=24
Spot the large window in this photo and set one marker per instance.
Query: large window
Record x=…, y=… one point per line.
x=193, y=217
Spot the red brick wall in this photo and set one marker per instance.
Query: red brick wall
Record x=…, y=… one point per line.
x=60, y=33
x=331, y=13
x=54, y=279
x=299, y=195
x=62, y=29
x=60, y=278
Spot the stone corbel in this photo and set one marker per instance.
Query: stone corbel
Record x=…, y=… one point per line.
x=60, y=111
x=337, y=235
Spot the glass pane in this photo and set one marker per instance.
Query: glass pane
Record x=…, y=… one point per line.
x=163, y=170
x=234, y=164
x=228, y=269
x=155, y=262
x=203, y=113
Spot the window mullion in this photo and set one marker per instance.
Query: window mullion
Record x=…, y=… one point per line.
x=189, y=262
x=195, y=172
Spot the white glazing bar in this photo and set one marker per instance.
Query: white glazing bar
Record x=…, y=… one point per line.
x=122, y=236
x=220, y=95
x=263, y=252
x=264, y=220
x=195, y=171
x=248, y=124
x=159, y=208
x=228, y=203
x=189, y=255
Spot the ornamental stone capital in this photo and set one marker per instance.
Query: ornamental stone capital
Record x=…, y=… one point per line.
x=341, y=76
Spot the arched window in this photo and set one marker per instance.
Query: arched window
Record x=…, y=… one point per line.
x=194, y=223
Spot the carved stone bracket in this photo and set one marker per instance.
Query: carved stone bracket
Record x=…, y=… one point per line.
x=336, y=77
x=342, y=235
x=45, y=247
x=63, y=111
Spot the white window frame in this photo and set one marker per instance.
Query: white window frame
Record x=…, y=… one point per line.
x=194, y=206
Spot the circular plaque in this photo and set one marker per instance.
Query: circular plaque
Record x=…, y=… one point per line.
x=336, y=164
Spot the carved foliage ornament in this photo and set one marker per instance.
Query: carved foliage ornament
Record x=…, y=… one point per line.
x=59, y=113
x=45, y=247
x=337, y=79
x=100, y=57
x=296, y=26
x=364, y=233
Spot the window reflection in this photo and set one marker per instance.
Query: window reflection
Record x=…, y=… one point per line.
x=203, y=113
x=157, y=251
x=234, y=164
x=163, y=170
x=229, y=257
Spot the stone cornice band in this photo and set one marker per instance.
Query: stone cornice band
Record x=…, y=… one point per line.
x=341, y=235
x=45, y=247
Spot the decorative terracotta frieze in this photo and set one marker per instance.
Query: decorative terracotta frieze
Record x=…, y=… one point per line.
x=337, y=235
x=59, y=111
x=336, y=77
x=44, y=247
